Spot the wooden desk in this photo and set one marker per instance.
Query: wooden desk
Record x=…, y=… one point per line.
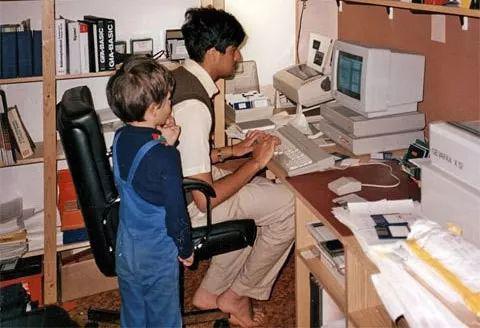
x=358, y=299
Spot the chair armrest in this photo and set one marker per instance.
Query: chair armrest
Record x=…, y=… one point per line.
x=190, y=184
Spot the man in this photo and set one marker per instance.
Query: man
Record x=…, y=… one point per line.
x=212, y=38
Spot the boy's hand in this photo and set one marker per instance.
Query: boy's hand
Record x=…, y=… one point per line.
x=186, y=262
x=170, y=131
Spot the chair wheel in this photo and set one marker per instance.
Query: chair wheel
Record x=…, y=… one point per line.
x=91, y=324
x=221, y=323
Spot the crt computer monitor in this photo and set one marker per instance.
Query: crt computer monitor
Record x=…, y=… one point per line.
x=376, y=82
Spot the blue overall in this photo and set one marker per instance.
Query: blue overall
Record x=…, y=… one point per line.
x=146, y=257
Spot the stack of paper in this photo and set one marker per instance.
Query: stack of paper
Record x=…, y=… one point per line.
x=13, y=241
x=360, y=217
x=34, y=225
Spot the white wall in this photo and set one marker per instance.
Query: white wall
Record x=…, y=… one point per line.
x=270, y=28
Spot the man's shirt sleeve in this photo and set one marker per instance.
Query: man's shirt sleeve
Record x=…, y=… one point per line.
x=195, y=122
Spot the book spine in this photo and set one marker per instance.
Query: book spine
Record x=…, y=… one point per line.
x=3, y=155
x=110, y=44
x=25, y=57
x=73, y=44
x=100, y=42
x=1, y=71
x=37, y=53
x=9, y=55
x=7, y=150
x=95, y=48
x=316, y=315
x=102, y=50
x=20, y=135
x=84, y=52
x=60, y=47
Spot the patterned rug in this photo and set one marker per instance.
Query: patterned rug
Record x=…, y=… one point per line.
x=279, y=309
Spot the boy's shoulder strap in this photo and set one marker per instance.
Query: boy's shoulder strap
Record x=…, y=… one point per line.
x=138, y=158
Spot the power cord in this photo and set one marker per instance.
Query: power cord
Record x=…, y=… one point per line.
x=304, y=6
x=375, y=185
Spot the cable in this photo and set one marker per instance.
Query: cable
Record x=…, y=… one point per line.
x=160, y=54
x=375, y=185
x=304, y=5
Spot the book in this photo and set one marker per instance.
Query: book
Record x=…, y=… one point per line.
x=23, y=141
x=37, y=53
x=61, y=65
x=110, y=47
x=9, y=54
x=25, y=53
x=73, y=46
x=84, y=44
x=92, y=45
x=8, y=153
x=101, y=51
x=105, y=41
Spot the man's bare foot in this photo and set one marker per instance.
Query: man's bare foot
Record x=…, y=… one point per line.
x=204, y=300
x=240, y=309
x=258, y=317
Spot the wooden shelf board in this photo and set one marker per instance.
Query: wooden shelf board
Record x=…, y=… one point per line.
x=37, y=157
x=372, y=317
x=421, y=7
x=84, y=76
x=328, y=280
x=60, y=248
x=22, y=80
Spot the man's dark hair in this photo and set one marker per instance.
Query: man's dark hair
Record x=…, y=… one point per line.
x=137, y=84
x=207, y=28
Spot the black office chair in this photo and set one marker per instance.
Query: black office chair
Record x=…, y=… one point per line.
x=88, y=160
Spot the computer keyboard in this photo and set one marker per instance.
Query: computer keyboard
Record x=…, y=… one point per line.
x=299, y=155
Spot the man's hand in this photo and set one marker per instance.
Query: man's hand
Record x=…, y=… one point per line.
x=263, y=149
x=186, y=262
x=246, y=145
x=170, y=131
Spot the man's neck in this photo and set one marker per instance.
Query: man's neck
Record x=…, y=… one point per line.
x=210, y=70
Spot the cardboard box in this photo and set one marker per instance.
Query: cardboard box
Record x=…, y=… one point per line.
x=446, y=199
x=80, y=279
x=245, y=80
x=32, y=284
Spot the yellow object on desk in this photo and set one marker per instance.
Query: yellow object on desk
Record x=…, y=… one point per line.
x=472, y=299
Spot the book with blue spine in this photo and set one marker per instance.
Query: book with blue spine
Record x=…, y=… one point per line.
x=9, y=54
x=25, y=54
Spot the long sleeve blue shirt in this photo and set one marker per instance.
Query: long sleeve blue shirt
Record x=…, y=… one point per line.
x=158, y=180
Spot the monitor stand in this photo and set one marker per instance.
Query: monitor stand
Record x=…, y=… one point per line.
x=300, y=121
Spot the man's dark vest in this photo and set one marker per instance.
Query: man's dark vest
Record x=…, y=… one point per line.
x=187, y=86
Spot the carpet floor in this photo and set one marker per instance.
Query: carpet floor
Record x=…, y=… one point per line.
x=279, y=309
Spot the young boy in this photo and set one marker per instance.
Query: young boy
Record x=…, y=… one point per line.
x=154, y=229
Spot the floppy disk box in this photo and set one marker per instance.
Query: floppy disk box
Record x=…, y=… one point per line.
x=248, y=103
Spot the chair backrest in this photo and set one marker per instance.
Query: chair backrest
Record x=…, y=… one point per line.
x=86, y=154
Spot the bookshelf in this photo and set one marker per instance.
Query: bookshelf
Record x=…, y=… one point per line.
x=48, y=151
x=432, y=9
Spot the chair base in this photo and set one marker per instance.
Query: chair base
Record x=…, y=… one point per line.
x=220, y=319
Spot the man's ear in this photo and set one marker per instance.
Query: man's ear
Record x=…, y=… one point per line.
x=211, y=55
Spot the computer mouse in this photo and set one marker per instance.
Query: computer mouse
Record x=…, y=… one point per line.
x=345, y=185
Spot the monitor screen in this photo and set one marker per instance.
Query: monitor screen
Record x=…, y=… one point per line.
x=349, y=74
